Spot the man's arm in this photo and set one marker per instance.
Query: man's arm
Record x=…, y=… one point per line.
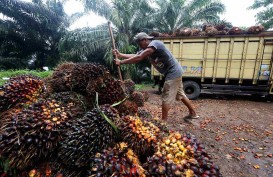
x=126, y=56
x=122, y=55
x=137, y=58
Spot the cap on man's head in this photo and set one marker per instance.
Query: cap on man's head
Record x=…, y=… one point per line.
x=141, y=36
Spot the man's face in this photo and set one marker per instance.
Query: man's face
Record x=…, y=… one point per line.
x=143, y=43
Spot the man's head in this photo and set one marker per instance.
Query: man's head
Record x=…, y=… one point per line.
x=143, y=39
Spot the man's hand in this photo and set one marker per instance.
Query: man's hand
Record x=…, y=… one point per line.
x=118, y=62
x=116, y=53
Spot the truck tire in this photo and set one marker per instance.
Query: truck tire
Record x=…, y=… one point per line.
x=191, y=89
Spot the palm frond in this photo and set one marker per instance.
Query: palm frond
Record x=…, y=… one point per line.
x=84, y=41
x=100, y=7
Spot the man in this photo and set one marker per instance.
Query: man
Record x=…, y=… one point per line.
x=162, y=59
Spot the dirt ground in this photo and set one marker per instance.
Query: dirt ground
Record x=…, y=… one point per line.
x=237, y=131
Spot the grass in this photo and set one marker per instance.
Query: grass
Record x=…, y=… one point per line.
x=12, y=73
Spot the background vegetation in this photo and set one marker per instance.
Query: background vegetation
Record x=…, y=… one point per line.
x=11, y=73
x=36, y=34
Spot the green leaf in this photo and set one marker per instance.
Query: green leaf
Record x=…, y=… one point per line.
x=104, y=116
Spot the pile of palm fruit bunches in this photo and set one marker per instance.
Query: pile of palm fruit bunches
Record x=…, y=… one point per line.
x=81, y=121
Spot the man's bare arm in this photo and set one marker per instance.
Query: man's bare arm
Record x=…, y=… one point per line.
x=137, y=58
x=122, y=55
x=126, y=56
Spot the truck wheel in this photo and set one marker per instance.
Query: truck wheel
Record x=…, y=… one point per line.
x=191, y=89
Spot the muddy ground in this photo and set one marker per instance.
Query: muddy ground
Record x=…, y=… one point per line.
x=236, y=131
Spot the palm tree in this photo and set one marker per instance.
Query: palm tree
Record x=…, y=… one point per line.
x=31, y=31
x=175, y=14
x=127, y=17
x=264, y=17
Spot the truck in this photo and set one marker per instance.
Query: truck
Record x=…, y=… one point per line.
x=229, y=64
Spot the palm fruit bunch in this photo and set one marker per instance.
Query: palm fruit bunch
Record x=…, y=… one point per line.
x=85, y=73
x=211, y=31
x=115, y=162
x=181, y=155
x=88, y=135
x=195, y=32
x=183, y=32
x=138, y=98
x=255, y=29
x=20, y=89
x=158, y=165
x=52, y=168
x=223, y=32
x=129, y=86
x=5, y=170
x=75, y=76
x=205, y=26
x=108, y=88
x=164, y=35
x=146, y=95
x=141, y=136
x=164, y=130
x=61, y=79
x=220, y=26
x=142, y=112
x=171, y=158
x=235, y=30
x=75, y=103
x=201, y=164
x=154, y=34
x=127, y=108
x=34, y=132
x=202, y=33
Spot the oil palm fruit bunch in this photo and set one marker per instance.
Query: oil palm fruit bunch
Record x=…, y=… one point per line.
x=5, y=170
x=84, y=73
x=159, y=165
x=154, y=33
x=61, y=79
x=129, y=86
x=185, y=32
x=127, y=108
x=164, y=130
x=235, y=30
x=76, y=103
x=223, y=32
x=75, y=76
x=211, y=31
x=201, y=164
x=181, y=155
x=20, y=89
x=52, y=169
x=146, y=95
x=175, y=149
x=5, y=116
x=141, y=136
x=34, y=132
x=171, y=158
x=108, y=88
x=88, y=135
x=138, y=98
x=205, y=26
x=195, y=32
x=143, y=113
x=255, y=29
x=220, y=26
x=119, y=161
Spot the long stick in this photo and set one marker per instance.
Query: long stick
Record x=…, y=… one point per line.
x=114, y=47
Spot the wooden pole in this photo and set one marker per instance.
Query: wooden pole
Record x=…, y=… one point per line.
x=114, y=47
